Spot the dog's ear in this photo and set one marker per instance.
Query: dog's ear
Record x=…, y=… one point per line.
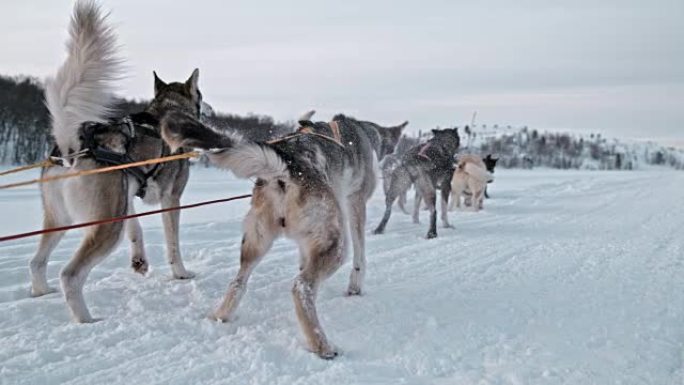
x=488, y=157
x=158, y=83
x=307, y=116
x=306, y=123
x=192, y=83
x=397, y=130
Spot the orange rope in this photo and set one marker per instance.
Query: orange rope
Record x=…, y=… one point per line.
x=192, y=154
x=45, y=163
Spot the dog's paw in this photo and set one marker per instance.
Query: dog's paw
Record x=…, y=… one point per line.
x=184, y=275
x=431, y=234
x=327, y=353
x=41, y=292
x=353, y=290
x=88, y=320
x=216, y=318
x=139, y=265
x=378, y=231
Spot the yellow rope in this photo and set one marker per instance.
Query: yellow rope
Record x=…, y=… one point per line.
x=192, y=154
x=44, y=163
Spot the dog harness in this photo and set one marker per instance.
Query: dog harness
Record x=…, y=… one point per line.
x=423, y=150
x=306, y=130
x=334, y=127
x=130, y=126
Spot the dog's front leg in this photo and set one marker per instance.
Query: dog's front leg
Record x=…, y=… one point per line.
x=171, y=220
x=135, y=236
x=357, y=221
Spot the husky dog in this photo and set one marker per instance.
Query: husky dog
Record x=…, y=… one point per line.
x=310, y=187
x=471, y=174
x=80, y=100
x=429, y=166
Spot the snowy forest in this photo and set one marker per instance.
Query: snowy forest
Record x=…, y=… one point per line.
x=24, y=138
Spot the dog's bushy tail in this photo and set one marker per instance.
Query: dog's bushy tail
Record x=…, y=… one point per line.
x=478, y=172
x=245, y=158
x=82, y=90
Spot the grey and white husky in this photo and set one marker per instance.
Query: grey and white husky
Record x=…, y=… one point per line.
x=310, y=187
x=428, y=166
x=80, y=100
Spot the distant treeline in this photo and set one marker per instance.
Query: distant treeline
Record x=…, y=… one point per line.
x=25, y=138
x=25, y=123
x=525, y=148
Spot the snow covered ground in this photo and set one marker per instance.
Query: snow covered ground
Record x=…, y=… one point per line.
x=565, y=278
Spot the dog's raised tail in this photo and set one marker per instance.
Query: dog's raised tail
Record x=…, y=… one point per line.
x=82, y=90
x=245, y=158
x=478, y=172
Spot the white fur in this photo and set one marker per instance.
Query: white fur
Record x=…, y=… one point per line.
x=307, y=115
x=248, y=159
x=82, y=90
x=478, y=172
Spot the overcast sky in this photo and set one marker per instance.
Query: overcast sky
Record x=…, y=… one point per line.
x=615, y=67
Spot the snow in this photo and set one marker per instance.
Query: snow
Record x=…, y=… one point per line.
x=566, y=277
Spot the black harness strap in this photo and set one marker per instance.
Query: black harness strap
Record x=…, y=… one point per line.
x=130, y=126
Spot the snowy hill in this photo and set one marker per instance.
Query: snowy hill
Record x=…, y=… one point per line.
x=566, y=277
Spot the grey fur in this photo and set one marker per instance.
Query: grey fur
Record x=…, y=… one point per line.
x=309, y=189
x=428, y=166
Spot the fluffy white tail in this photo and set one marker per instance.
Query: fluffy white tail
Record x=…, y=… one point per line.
x=82, y=90
x=478, y=173
x=250, y=160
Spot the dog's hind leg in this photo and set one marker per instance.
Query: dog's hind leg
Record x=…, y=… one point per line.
x=401, y=202
x=455, y=200
x=325, y=257
x=357, y=222
x=38, y=264
x=171, y=220
x=260, y=229
x=97, y=244
x=417, y=198
x=401, y=181
x=135, y=236
x=427, y=190
x=478, y=198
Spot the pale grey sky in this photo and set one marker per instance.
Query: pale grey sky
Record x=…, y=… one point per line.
x=615, y=67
